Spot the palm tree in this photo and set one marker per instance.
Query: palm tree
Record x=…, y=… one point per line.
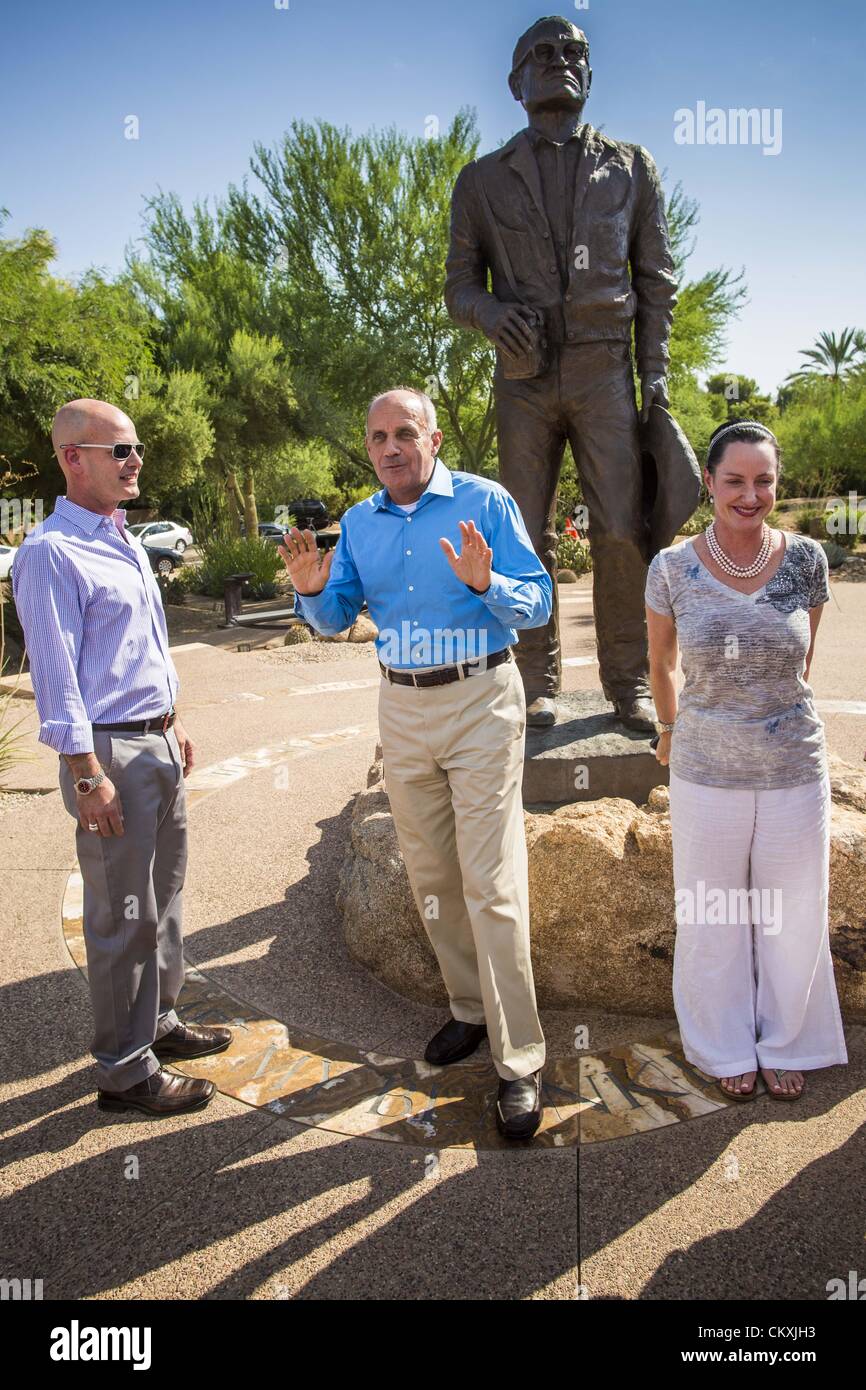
x=831, y=359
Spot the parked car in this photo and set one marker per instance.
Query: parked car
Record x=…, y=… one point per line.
x=270, y=531
x=163, y=559
x=162, y=534
x=310, y=513
x=7, y=555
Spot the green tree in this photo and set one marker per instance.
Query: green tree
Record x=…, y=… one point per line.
x=704, y=307
x=738, y=398
x=213, y=308
x=702, y=316
x=822, y=432
x=301, y=468
x=253, y=410
x=171, y=414
x=60, y=341
x=353, y=232
x=830, y=358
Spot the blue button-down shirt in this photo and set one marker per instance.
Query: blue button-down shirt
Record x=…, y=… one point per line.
x=426, y=616
x=94, y=624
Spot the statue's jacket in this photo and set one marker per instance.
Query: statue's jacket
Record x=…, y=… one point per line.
x=618, y=216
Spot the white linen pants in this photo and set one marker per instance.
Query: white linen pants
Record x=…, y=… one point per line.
x=753, y=976
x=453, y=759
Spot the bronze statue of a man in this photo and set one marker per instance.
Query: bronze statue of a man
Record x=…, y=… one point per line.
x=557, y=216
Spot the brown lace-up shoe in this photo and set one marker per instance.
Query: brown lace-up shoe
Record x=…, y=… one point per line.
x=160, y=1094
x=188, y=1040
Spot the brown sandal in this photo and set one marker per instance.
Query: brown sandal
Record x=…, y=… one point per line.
x=739, y=1095
x=783, y=1095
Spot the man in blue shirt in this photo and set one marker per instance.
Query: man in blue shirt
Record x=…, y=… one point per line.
x=446, y=567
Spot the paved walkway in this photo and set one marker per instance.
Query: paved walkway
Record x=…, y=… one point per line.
x=325, y=1168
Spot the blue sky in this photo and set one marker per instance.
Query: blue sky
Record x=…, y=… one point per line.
x=207, y=78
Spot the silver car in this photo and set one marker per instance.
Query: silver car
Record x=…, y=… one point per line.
x=7, y=555
x=168, y=535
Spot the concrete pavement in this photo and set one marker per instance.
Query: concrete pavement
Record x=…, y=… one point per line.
x=242, y=1202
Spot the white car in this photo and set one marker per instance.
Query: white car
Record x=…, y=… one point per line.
x=7, y=555
x=162, y=533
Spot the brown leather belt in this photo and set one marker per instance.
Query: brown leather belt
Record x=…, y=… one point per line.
x=142, y=726
x=446, y=674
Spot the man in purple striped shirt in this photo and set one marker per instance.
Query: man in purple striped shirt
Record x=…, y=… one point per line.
x=105, y=686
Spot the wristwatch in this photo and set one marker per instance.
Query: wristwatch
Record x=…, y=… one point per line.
x=88, y=784
x=662, y=728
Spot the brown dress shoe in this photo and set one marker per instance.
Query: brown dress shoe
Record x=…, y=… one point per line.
x=160, y=1094
x=187, y=1040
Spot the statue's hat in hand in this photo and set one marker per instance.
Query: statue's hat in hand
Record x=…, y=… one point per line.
x=671, y=478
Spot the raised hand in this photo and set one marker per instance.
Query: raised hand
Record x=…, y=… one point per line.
x=308, y=570
x=472, y=565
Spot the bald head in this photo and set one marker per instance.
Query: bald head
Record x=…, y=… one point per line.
x=416, y=400
x=88, y=421
x=95, y=479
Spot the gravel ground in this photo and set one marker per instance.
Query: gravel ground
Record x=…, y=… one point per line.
x=12, y=801
x=315, y=653
x=181, y=620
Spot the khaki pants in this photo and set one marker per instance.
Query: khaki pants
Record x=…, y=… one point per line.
x=453, y=759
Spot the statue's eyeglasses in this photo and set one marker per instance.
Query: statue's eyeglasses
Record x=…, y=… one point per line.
x=118, y=451
x=546, y=50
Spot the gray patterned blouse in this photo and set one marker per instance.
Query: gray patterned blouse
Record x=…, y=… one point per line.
x=746, y=717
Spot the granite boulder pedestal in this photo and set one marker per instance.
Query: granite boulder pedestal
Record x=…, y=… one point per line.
x=600, y=875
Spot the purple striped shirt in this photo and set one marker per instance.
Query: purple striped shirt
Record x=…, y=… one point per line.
x=94, y=625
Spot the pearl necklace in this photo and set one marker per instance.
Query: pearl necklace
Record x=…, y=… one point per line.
x=724, y=561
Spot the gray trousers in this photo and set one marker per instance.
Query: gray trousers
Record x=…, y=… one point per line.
x=133, y=903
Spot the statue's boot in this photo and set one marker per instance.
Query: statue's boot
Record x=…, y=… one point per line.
x=636, y=712
x=541, y=712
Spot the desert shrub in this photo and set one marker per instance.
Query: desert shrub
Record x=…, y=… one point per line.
x=846, y=523
x=698, y=521
x=225, y=555
x=573, y=555
x=807, y=518
x=174, y=587
x=835, y=554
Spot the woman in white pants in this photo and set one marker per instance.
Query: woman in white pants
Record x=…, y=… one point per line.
x=750, y=798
